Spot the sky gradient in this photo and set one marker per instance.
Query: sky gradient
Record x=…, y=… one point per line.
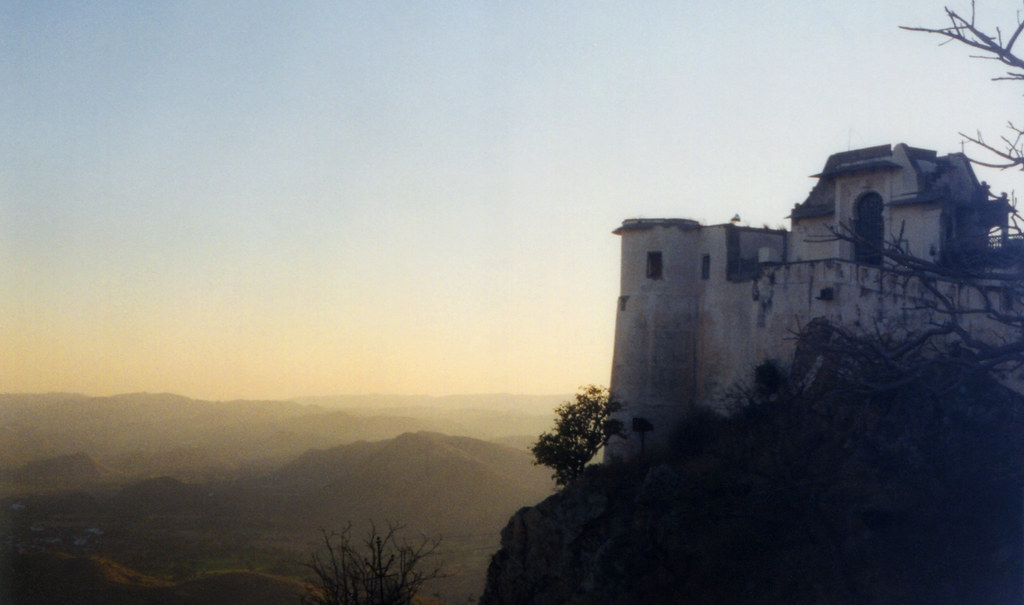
x=262, y=200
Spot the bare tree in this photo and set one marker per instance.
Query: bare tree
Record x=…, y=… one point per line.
x=381, y=569
x=1009, y=151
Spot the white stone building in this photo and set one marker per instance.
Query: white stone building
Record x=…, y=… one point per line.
x=701, y=305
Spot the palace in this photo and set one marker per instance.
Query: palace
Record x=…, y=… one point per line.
x=702, y=305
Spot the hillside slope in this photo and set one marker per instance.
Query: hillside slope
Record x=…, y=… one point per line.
x=430, y=481
x=62, y=471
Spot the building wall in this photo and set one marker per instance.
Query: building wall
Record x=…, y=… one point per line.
x=812, y=239
x=684, y=341
x=920, y=228
x=675, y=334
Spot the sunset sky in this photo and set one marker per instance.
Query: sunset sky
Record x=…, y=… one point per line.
x=262, y=200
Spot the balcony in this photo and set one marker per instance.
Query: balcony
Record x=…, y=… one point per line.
x=1012, y=241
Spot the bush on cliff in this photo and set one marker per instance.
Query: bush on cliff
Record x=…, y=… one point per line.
x=582, y=428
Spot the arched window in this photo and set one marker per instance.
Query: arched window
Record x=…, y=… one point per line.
x=868, y=227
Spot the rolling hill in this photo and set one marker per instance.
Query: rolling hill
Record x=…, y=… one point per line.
x=430, y=481
x=146, y=435
x=69, y=470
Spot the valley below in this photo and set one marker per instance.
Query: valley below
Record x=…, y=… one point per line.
x=164, y=499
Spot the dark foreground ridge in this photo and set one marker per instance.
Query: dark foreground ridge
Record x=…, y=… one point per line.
x=810, y=495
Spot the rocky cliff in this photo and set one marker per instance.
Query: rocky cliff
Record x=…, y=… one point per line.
x=811, y=497
x=582, y=544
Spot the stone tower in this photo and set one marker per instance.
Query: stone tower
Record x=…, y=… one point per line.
x=655, y=337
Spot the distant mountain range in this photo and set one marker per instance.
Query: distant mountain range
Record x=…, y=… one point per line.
x=537, y=404
x=144, y=434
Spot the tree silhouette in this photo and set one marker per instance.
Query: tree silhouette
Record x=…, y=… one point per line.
x=582, y=428
x=381, y=569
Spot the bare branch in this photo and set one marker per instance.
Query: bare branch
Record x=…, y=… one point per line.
x=379, y=570
x=964, y=31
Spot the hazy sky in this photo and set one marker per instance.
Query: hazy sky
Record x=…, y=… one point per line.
x=230, y=200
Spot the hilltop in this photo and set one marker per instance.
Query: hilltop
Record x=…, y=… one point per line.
x=437, y=482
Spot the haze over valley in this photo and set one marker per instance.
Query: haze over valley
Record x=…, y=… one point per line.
x=175, y=490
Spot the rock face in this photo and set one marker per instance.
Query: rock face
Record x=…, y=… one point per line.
x=585, y=544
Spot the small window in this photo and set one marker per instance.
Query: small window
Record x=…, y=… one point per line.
x=705, y=266
x=654, y=265
x=622, y=302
